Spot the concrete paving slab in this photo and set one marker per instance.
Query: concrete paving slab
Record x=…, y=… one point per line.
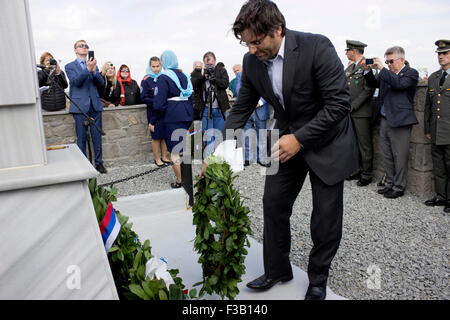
x=163, y=218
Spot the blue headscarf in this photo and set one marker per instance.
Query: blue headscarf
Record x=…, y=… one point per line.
x=151, y=74
x=169, y=61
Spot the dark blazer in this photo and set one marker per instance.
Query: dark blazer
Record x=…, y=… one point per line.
x=222, y=82
x=437, y=109
x=397, y=94
x=83, y=87
x=317, y=101
x=53, y=99
x=169, y=110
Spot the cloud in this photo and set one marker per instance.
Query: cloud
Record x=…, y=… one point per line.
x=133, y=31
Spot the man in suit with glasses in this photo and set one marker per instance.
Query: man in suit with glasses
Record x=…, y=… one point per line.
x=302, y=77
x=84, y=78
x=395, y=106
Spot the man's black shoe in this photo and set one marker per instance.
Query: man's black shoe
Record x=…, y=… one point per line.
x=100, y=168
x=393, y=194
x=384, y=190
x=316, y=293
x=246, y=163
x=435, y=202
x=267, y=164
x=447, y=207
x=363, y=182
x=353, y=177
x=264, y=283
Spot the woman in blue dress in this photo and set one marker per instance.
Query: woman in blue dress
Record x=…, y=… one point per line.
x=172, y=103
x=148, y=86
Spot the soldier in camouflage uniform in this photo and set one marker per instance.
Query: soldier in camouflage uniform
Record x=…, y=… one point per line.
x=437, y=126
x=361, y=113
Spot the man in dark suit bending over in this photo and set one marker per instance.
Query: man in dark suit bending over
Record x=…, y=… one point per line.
x=301, y=75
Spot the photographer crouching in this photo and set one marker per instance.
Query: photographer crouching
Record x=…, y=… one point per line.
x=210, y=84
x=52, y=99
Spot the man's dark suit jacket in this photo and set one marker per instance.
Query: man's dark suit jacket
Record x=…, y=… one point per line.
x=397, y=95
x=317, y=101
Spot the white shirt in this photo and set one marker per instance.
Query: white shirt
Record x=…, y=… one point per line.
x=275, y=70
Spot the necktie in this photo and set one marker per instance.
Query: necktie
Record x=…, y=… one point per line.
x=441, y=82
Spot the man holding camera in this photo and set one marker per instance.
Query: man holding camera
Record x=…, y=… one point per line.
x=395, y=106
x=52, y=99
x=361, y=113
x=84, y=78
x=210, y=84
x=437, y=126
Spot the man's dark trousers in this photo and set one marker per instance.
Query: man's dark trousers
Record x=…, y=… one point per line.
x=326, y=220
x=441, y=170
x=95, y=134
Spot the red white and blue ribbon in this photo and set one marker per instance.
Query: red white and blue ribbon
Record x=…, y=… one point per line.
x=109, y=227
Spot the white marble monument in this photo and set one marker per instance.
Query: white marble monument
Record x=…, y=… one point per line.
x=50, y=242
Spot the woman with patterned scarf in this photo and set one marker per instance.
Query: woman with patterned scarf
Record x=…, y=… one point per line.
x=129, y=89
x=173, y=104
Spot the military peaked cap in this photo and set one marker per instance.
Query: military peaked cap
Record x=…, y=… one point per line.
x=442, y=45
x=353, y=44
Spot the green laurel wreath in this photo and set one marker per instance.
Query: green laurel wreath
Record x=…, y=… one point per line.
x=222, y=226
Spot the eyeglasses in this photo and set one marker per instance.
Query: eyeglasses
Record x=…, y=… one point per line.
x=82, y=45
x=391, y=61
x=124, y=70
x=253, y=43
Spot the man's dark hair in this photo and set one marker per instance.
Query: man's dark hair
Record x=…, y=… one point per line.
x=259, y=17
x=209, y=53
x=359, y=50
x=154, y=59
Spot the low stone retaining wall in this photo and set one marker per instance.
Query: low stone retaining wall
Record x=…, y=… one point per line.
x=128, y=138
x=127, y=135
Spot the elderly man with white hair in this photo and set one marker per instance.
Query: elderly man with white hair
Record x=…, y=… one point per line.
x=395, y=106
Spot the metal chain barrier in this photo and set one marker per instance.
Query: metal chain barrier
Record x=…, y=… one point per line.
x=133, y=177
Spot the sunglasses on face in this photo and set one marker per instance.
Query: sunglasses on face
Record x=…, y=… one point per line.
x=83, y=46
x=124, y=70
x=391, y=61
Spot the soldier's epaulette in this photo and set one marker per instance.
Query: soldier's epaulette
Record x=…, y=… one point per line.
x=146, y=77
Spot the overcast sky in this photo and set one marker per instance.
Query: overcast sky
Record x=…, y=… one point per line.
x=131, y=32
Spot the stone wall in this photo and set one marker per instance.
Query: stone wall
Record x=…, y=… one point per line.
x=127, y=135
x=128, y=138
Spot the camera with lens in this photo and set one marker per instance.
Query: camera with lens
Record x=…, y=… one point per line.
x=210, y=72
x=53, y=62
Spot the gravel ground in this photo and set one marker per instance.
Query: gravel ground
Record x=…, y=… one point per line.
x=391, y=249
